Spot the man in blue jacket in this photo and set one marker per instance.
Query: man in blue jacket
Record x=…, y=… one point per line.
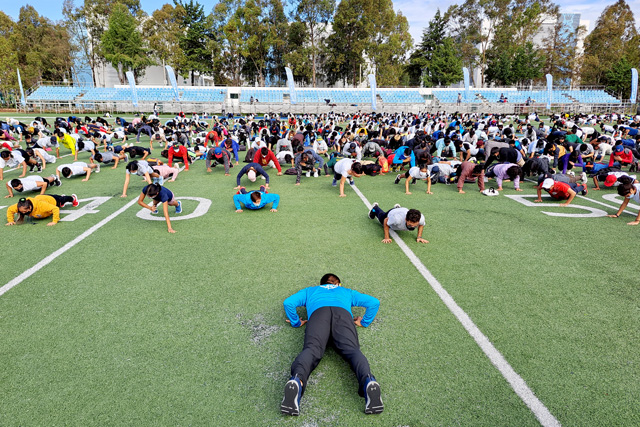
x=255, y=199
x=330, y=318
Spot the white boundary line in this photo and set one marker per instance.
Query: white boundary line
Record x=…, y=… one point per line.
x=28, y=273
x=516, y=382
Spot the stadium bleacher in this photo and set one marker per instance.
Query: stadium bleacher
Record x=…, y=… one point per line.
x=64, y=94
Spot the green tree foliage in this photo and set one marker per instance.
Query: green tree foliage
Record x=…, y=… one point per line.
x=445, y=66
x=371, y=29
x=163, y=31
x=43, y=48
x=315, y=15
x=560, y=51
x=122, y=43
x=432, y=37
x=299, y=56
x=484, y=29
x=614, y=37
x=195, y=40
x=618, y=78
x=520, y=65
x=9, y=63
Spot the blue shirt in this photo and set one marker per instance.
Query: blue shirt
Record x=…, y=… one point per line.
x=316, y=297
x=165, y=195
x=265, y=199
x=399, y=156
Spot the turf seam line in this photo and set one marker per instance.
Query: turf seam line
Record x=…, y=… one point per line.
x=47, y=260
x=516, y=382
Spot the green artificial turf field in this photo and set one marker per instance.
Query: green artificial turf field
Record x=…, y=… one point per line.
x=136, y=326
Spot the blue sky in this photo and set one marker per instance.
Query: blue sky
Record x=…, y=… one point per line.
x=418, y=12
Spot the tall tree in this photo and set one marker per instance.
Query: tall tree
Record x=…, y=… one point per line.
x=367, y=30
x=618, y=78
x=485, y=28
x=162, y=31
x=315, y=15
x=613, y=37
x=9, y=63
x=195, y=40
x=432, y=37
x=299, y=55
x=122, y=43
x=561, y=52
x=444, y=66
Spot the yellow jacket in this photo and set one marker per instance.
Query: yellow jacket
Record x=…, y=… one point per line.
x=69, y=142
x=43, y=207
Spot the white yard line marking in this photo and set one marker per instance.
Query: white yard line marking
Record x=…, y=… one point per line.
x=47, y=260
x=516, y=382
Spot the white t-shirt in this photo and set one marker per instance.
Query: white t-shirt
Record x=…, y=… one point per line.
x=397, y=219
x=416, y=173
x=77, y=168
x=636, y=196
x=282, y=154
x=13, y=161
x=29, y=183
x=343, y=167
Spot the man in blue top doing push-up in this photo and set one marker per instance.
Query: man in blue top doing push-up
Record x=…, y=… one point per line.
x=330, y=318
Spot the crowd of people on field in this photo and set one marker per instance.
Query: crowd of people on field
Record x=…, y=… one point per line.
x=437, y=148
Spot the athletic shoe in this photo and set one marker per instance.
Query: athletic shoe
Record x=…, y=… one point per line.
x=33, y=166
x=97, y=168
x=413, y=181
x=334, y=182
x=75, y=202
x=126, y=157
x=292, y=394
x=39, y=168
x=398, y=178
x=308, y=174
x=396, y=206
x=262, y=177
x=585, y=191
x=373, y=403
x=351, y=182
x=571, y=173
x=315, y=174
x=372, y=213
x=179, y=207
x=583, y=177
x=57, y=182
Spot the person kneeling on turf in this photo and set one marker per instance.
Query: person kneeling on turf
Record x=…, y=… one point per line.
x=42, y=206
x=160, y=194
x=399, y=219
x=330, y=320
x=255, y=200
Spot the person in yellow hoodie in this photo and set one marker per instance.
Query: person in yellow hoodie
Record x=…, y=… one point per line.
x=69, y=141
x=39, y=207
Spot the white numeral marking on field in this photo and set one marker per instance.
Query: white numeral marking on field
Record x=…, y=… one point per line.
x=86, y=209
x=619, y=199
x=593, y=212
x=201, y=209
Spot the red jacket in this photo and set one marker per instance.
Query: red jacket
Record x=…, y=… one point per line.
x=264, y=161
x=182, y=152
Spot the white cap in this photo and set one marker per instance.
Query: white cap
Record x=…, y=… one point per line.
x=547, y=183
x=251, y=175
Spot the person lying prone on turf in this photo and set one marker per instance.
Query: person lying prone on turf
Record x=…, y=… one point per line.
x=140, y=168
x=159, y=194
x=420, y=172
x=560, y=190
x=251, y=170
x=610, y=178
x=31, y=183
x=399, y=219
x=77, y=169
x=330, y=320
x=255, y=199
x=41, y=206
x=630, y=190
x=504, y=171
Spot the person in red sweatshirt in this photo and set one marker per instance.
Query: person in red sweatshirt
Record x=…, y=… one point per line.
x=264, y=157
x=178, y=150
